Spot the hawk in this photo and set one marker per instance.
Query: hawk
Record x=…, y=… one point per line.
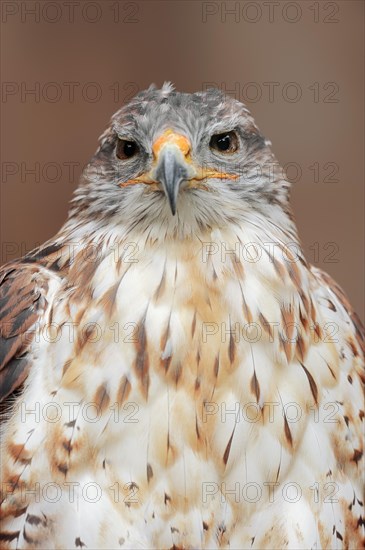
x=174, y=373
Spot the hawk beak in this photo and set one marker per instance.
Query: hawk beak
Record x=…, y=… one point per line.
x=173, y=164
x=171, y=171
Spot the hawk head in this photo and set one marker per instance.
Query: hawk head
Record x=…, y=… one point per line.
x=181, y=162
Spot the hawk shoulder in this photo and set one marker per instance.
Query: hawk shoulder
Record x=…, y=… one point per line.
x=25, y=288
x=338, y=301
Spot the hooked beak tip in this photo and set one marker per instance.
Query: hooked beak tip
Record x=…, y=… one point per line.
x=171, y=171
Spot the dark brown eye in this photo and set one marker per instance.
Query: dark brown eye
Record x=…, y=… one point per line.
x=126, y=149
x=224, y=143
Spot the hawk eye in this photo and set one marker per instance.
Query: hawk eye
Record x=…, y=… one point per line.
x=126, y=149
x=224, y=143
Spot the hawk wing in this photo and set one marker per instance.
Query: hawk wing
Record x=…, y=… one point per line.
x=23, y=290
x=24, y=295
x=338, y=293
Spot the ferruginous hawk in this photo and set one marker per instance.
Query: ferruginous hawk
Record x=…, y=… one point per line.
x=174, y=373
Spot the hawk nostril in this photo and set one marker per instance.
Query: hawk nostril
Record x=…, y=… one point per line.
x=185, y=147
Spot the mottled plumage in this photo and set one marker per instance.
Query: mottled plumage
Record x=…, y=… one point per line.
x=174, y=373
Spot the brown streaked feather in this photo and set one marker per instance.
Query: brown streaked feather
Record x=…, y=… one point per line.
x=23, y=291
x=341, y=296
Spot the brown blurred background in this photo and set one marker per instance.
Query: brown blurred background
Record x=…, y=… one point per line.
x=299, y=66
